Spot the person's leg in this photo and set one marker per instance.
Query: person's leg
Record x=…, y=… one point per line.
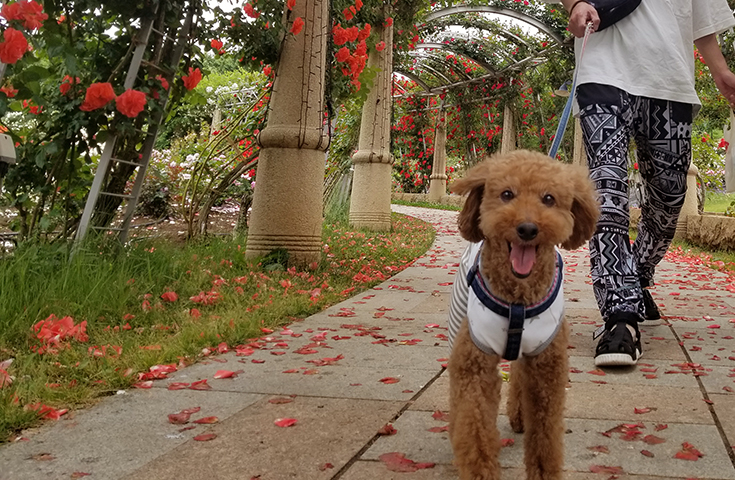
x=606, y=115
x=663, y=139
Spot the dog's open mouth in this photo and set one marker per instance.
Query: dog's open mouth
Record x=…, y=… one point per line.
x=522, y=259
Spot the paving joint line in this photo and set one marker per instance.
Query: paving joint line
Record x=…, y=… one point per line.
x=375, y=438
x=705, y=395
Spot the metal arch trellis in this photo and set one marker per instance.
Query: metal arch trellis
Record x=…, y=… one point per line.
x=448, y=47
x=484, y=51
x=515, y=14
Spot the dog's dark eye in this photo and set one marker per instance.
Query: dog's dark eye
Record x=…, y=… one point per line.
x=549, y=200
x=507, y=196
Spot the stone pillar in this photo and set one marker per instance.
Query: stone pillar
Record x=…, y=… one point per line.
x=438, y=185
x=579, y=155
x=508, y=141
x=690, y=203
x=287, y=202
x=371, y=184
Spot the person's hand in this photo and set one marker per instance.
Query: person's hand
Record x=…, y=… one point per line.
x=725, y=82
x=582, y=14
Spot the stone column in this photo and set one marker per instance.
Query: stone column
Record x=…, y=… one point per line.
x=371, y=184
x=287, y=202
x=690, y=206
x=508, y=140
x=579, y=155
x=438, y=185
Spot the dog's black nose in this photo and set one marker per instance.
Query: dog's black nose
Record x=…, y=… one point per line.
x=527, y=231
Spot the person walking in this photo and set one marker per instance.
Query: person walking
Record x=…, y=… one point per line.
x=636, y=81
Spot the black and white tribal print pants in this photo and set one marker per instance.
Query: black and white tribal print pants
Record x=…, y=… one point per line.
x=661, y=129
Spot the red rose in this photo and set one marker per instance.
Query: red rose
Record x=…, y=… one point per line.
x=380, y=47
x=98, y=95
x=67, y=83
x=216, y=44
x=342, y=54
x=250, y=11
x=32, y=13
x=193, y=79
x=11, y=11
x=298, y=24
x=13, y=47
x=131, y=103
x=9, y=91
x=164, y=82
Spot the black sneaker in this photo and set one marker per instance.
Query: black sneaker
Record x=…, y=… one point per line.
x=650, y=308
x=617, y=347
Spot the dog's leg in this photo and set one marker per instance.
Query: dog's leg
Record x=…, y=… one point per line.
x=545, y=379
x=474, y=397
x=515, y=399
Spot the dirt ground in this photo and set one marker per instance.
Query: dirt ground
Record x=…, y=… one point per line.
x=222, y=220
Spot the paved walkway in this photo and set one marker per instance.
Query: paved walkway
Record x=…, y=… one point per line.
x=379, y=359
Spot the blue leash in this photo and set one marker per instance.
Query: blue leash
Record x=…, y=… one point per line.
x=568, y=107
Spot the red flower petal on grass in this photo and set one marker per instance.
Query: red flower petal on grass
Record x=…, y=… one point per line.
x=207, y=420
x=205, y=437
x=169, y=296
x=389, y=380
x=285, y=422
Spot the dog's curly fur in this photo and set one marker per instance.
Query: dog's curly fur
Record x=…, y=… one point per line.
x=561, y=201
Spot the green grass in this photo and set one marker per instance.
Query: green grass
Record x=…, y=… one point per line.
x=110, y=289
x=436, y=206
x=716, y=202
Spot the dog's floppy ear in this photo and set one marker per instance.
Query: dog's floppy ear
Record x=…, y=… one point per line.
x=585, y=208
x=472, y=184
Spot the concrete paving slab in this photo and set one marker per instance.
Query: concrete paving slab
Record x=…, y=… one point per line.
x=121, y=434
x=331, y=381
x=610, y=402
x=586, y=434
x=328, y=432
x=373, y=470
x=582, y=369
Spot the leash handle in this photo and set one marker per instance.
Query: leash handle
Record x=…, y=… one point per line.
x=570, y=101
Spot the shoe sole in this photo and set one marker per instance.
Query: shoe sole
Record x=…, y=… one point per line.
x=616, y=360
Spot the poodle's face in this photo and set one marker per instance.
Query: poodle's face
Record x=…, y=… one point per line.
x=524, y=202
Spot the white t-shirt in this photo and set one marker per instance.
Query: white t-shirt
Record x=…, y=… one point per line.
x=650, y=52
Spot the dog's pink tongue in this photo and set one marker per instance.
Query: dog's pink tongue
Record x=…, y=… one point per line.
x=522, y=258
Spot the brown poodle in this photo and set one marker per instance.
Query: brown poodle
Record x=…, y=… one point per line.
x=520, y=206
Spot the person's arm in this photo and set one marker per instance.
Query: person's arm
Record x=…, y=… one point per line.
x=580, y=14
x=721, y=74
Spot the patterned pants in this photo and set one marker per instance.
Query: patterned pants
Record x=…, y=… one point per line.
x=661, y=129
